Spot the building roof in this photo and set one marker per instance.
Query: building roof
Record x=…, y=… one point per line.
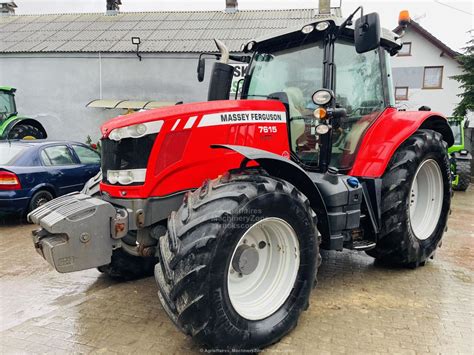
x=430, y=37
x=183, y=31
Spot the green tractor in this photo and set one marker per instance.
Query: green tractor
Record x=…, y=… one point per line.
x=460, y=156
x=13, y=126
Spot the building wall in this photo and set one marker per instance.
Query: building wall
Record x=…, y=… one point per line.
x=56, y=88
x=408, y=71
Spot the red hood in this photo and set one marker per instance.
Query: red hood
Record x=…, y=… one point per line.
x=185, y=110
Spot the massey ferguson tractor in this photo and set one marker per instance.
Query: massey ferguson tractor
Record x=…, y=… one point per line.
x=230, y=201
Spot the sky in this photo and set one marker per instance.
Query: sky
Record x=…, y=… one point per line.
x=448, y=20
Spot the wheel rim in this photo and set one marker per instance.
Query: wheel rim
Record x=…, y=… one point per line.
x=269, y=281
x=41, y=201
x=426, y=199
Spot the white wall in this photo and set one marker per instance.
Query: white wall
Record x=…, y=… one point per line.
x=407, y=68
x=55, y=88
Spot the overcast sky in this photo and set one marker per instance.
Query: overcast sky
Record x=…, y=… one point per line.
x=449, y=22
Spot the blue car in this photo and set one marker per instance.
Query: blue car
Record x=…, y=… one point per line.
x=34, y=172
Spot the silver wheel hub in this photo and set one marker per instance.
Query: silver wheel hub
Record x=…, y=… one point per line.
x=426, y=199
x=263, y=268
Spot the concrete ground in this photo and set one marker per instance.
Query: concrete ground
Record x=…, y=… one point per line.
x=357, y=308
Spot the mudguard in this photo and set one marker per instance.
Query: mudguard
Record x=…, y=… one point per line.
x=388, y=132
x=25, y=120
x=287, y=170
x=459, y=156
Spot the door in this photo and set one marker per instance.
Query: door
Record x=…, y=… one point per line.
x=89, y=161
x=64, y=170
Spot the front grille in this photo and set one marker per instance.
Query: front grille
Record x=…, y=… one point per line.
x=126, y=154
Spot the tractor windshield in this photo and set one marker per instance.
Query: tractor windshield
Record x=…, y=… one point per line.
x=297, y=72
x=7, y=105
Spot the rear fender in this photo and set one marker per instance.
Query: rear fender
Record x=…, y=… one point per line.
x=388, y=132
x=287, y=170
x=459, y=156
x=34, y=123
x=44, y=186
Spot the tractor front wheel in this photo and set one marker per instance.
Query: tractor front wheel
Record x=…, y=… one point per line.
x=416, y=197
x=238, y=262
x=463, y=171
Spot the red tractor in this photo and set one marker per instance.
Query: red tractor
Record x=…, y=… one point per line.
x=230, y=201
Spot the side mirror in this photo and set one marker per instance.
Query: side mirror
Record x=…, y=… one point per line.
x=367, y=33
x=201, y=69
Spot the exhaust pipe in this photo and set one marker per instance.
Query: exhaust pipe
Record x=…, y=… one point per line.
x=225, y=55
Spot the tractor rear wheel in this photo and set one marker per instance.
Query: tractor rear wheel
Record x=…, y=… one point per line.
x=25, y=131
x=238, y=262
x=463, y=171
x=416, y=197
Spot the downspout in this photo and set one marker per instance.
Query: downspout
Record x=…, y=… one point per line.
x=100, y=75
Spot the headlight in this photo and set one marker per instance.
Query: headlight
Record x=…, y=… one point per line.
x=321, y=26
x=126, y=177
x=322, y=97
x=322, y=129
x=115, y=135
x=136, y=131
x=112, y=177
x=307, y=29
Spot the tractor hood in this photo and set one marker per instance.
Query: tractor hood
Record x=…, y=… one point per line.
x=196, y=111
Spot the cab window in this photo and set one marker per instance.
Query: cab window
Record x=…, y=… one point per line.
x=359, y=89
x=297, y=72
x=86, y=155
x=56, y=156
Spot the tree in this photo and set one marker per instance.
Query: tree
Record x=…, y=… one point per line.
x=467, y=81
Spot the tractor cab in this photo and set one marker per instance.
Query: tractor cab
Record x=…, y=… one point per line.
x=7, y=103
x=334, y=81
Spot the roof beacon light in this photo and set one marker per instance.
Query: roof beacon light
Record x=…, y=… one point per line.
x=404, y=18
x=307, y=29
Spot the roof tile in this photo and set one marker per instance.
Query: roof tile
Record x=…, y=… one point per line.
x=183, y=31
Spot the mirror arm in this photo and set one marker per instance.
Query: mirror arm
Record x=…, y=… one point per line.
x=348, y=20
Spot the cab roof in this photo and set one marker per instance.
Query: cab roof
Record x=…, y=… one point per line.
x=388, y=38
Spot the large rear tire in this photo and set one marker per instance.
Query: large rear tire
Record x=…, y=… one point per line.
x=463, y=171
x=238, y=262
x=25, y=131
x=416, y=198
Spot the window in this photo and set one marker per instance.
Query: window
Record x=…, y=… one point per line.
x=9, y=152
x=57, y=155
x=432, y=77
x=406, y=50
x=401, y=93
x=297, y=72
x=360, y=90
x=86, y=155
